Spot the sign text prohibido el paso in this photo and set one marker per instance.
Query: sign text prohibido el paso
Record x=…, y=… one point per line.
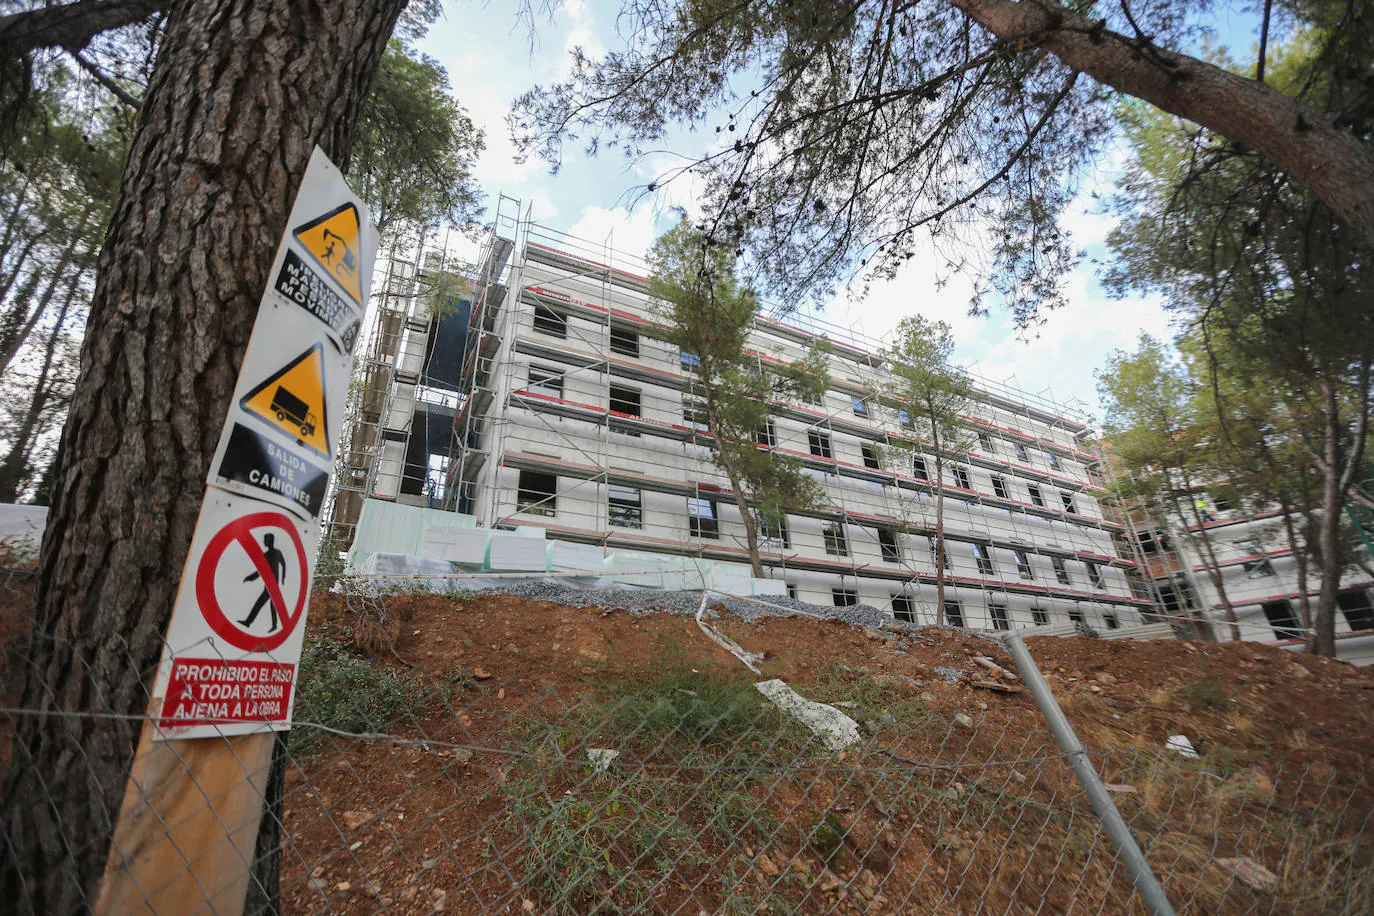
x=234, y=643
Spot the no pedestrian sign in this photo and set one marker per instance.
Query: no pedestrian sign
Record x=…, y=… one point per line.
x=236, y=633
x=233, y=645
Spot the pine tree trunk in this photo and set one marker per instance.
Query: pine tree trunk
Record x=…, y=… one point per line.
x=939, y=535
x=241, y=93
x=751, y=531
x=16, y=464
x=12, y=338
x=1299, y=558
x=1213, y=571
x=1330, y=532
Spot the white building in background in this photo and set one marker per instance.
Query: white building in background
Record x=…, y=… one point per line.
x=1259, y=574
x=546, y=407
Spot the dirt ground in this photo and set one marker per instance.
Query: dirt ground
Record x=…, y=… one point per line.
x=479, y=803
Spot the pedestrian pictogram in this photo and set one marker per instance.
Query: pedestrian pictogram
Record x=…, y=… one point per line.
x=231, y=600
x=292, y=399
x=332, y=240
x=276, y=565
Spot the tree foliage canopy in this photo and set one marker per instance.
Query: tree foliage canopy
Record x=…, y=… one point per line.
x=416, y=146
x=706, y=312
x=845, y=130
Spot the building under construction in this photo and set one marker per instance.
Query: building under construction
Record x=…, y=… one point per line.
x=1219, y=549
x=531, y=419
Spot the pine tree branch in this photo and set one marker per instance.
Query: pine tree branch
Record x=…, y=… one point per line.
x=71, y=25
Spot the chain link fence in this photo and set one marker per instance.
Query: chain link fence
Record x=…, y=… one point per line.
x=475, y=754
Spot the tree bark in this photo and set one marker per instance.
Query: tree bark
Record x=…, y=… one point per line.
x=241, y=93
x=751, y=531
x=940, y=570
x=1330, y=162
x=70, y=25
x=1329, y=534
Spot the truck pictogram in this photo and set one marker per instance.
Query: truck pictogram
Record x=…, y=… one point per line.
x=290, y=407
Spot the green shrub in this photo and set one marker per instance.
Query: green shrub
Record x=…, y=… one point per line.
x=1209, y=692
x=340, y=689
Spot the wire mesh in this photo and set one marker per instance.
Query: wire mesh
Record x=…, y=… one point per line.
x=473, y=754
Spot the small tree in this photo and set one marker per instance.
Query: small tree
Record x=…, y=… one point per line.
x=926, y=383
x=1149, y=400
x=706, y=312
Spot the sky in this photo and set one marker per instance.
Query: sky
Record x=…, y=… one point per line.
x=492, y=58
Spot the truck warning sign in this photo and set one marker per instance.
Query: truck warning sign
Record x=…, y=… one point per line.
x=257, y=461
x=292, y=399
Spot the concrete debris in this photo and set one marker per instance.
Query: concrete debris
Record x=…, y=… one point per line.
x=963, y=720
x=601, y=757
x=1250, y=873
x=837, y=730
x=1181, y=745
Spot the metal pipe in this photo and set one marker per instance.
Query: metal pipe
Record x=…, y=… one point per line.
x=1149, y=888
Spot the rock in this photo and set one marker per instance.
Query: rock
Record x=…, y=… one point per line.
x=1250, y=873
x=874, y=633
x=527, y=905
x=766, y=865
x=1181, y=745
x=1108, y=679
x=963, y=720
x=429, y=863
x=837, y=730
x=344, y=885
x=355, y=819
x=481, y=674
x=501, y=694
x=1094, y=688
x=1299, y=672
x=317, y=871
x=1120, y=788
x=601, y=757
x=829, y=881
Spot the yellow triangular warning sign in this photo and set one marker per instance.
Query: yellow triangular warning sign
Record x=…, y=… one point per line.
x=292, y=400
x=332, y=240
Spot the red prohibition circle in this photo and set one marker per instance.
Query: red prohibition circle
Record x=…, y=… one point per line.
x=240, y=531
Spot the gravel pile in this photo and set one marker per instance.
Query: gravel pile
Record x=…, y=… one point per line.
x=640, y=601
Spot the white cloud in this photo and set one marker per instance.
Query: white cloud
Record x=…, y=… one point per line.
x=629, y=232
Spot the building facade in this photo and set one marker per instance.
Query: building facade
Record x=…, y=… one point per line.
x=1258, y=572
x=560, y=412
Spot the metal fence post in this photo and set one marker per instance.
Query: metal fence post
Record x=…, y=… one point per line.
x=1145, y=882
